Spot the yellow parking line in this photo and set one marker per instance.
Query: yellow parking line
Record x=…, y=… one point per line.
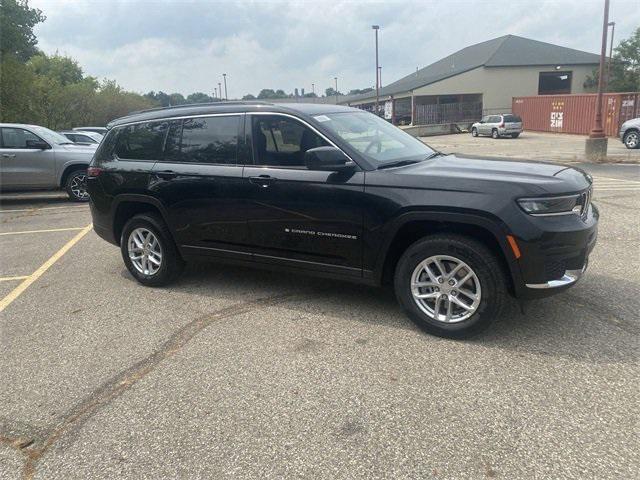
x=26, y=283
x=42, y=231
x=10, y=279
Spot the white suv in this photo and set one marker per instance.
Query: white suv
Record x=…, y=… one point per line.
x=630, y=133
x=497, y=126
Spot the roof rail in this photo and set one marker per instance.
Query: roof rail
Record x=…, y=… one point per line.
x=209, y=104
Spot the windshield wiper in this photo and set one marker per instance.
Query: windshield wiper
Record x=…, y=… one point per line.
x=399, y=163
x=434, y=154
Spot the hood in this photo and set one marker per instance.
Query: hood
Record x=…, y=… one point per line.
x=456, y=172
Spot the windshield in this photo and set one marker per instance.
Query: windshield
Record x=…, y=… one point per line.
x=51, y=136
x=374, y=138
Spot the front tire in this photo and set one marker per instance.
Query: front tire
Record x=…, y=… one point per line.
x=149, y=252
x=515, y=135
x=632, y=139
x=450, y=285
x=474, y=132
x=495, y=134
x=76, y=185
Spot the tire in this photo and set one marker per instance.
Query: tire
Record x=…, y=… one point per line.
x=474, y=132
x=171, y=263
x=494, y=133
x=76, y=185
x=515, y=135
x=489, y=279
x=631, y=139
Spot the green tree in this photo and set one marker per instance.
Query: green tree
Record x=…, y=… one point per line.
x=330, y=92
x=249, y=97
x=16, y=29
x=199, y=97
x=64, y=69
x=625, y=67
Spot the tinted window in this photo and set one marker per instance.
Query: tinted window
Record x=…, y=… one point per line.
x=512, y=118
x=282, y=141
x=142, y=141
x=554, y=83
x=17, y=138
x=205, y=140
x=494, y=119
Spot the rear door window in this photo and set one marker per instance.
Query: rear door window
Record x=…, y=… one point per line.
x=203, y=140
x=142, y=141
x=512, y=119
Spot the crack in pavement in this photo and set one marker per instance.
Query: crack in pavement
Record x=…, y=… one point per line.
x=114, y=387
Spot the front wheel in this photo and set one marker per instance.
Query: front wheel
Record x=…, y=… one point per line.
x=632, y=139
x=474, y=132
x=494, y=133
x=149, y=252
x=450, y=285
x=76, y=186
x=515, y=135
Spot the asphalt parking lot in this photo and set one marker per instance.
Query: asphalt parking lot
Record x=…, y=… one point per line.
x=530, y=145
x=239, y=373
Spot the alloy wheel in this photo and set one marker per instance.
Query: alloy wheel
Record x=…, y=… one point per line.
x=446, y=289
x=78, y=186
x=145, y=251
x=632, y=139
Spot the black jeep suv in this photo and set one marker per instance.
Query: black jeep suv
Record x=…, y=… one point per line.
x=341, y=193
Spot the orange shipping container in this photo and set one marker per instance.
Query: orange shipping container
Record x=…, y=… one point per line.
x=574, y=113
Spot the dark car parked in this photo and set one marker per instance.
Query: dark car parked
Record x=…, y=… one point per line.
x=338, y=192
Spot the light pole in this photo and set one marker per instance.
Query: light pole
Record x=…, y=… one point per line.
x=380, y=75
x=215, y=92
x=313, y=88
x=220, y=91
x=376, y=28
x=226, y=96
x=613, y=29
x=336, y=80
x=596, y=145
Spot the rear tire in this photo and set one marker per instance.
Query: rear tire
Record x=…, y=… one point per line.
x=515, y=135
x=149, y=252
x=474, y=132
x=494, y=133
x=631, y=139
x=76, y=185
x=488, y=282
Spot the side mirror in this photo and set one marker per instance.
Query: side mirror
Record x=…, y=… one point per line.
x=328, y=159
x=37, y=145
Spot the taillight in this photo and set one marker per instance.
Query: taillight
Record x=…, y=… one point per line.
x=93, y=172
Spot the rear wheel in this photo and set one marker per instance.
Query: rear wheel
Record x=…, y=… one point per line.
x=494, y=133
x=149, y=252
x=450, y=285
x=474, y=132
x=76, y=185
x=632, y=139
x=515, y=135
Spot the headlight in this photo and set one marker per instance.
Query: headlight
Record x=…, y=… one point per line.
x=565, y=205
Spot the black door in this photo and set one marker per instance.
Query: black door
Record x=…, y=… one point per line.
x=200, y=184
x=309, y=219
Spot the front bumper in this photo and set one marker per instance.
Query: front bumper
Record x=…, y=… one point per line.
x=555, y=252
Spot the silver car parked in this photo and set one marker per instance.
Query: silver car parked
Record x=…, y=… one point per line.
x=630, y=133
x=36, y=158
x=497, y=126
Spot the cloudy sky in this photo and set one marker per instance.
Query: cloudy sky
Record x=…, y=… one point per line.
x=185, y=46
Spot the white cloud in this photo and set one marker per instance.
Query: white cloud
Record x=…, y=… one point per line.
x=186, y=46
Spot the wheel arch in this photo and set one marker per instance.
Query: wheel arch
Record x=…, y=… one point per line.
x=411, y=227
x=71, y=168
x=126, y=206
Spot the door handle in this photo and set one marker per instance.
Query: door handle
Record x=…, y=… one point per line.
x=263, y=180
x=9, y=155
x=166, y=174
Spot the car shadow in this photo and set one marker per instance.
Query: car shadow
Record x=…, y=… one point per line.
x=35, y=200
x=564, y=326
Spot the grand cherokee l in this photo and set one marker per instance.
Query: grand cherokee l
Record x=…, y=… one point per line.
x=338, y=192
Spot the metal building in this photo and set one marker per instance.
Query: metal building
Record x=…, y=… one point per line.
x=482, y=79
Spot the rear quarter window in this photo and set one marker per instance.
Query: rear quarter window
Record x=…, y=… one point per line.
x=142, y=141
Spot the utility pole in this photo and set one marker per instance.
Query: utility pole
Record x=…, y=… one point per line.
x=226, y=96
x=336, y=80
x=613, y=29
x=376, y=28
x=596, y=145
